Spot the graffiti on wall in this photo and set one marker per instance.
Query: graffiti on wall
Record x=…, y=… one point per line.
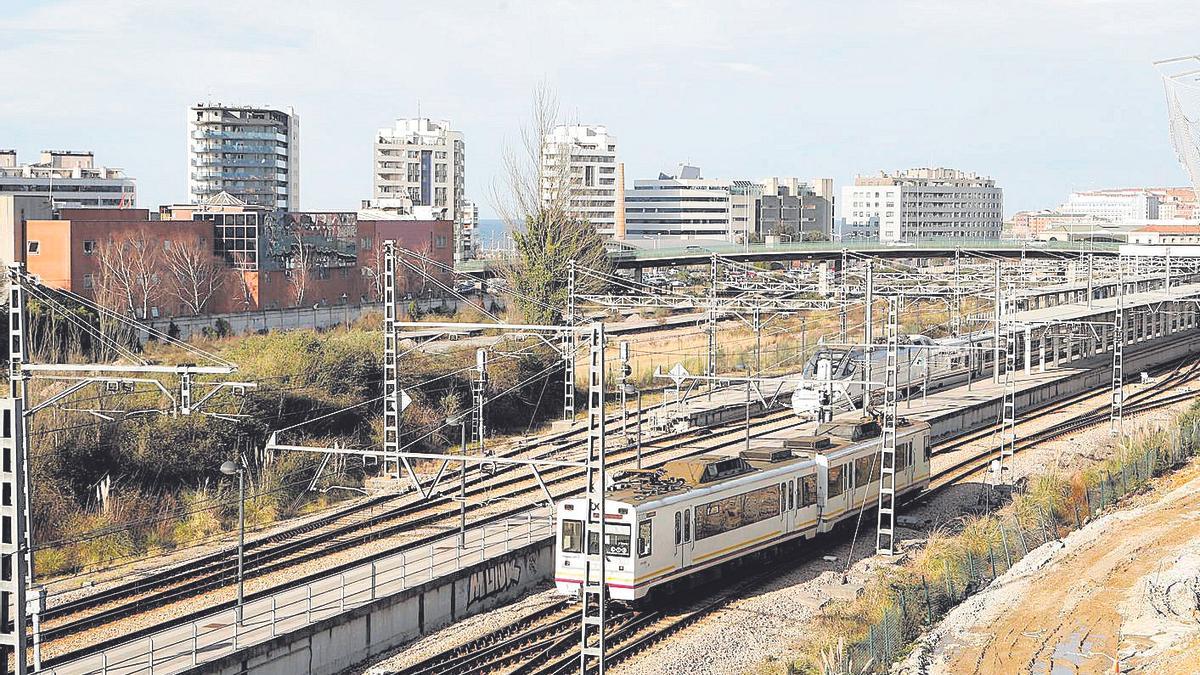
x=328, y=239
x=499, y=577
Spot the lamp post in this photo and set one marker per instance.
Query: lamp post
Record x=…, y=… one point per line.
x=229, y=469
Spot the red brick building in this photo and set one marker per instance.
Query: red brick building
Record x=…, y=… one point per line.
x=189, y=260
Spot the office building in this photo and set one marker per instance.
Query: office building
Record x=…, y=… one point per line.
x=688, y=206
x=251, y=153
x=1113, y=205
x=926, y=204
x=468, y=231
x=792, y=210
x=70, y=177
x=579, y=172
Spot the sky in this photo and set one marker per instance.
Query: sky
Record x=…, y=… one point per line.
x=1046, y=96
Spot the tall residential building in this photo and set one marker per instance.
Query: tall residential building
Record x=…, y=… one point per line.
x=251, y=153
x=926, y=204
x=420, y=163
x=582, y=160
x=71, y=177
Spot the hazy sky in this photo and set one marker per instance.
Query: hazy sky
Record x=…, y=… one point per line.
x=1045, y=95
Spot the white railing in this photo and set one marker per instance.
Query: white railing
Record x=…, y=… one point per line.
x=219, y=634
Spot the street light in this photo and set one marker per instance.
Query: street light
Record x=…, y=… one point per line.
x=229, y=469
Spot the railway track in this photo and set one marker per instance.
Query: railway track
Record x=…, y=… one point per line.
x=529, y=646
x=444, y=510
x=1146, y=400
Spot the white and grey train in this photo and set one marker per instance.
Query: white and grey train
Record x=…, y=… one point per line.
x=664, y=526
x=833, y=377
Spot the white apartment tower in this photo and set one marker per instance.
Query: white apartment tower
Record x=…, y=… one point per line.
x=420, y=166
x=251, y=153
x=582, y=159
x=925, y=204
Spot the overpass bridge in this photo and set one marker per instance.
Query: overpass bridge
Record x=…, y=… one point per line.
x=698, y=255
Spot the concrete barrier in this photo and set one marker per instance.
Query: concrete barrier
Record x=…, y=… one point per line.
x=343, y=641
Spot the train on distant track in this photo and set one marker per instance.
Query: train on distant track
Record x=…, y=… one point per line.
x=665, y=526
x=833, y=377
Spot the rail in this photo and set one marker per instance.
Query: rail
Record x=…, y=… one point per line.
x=219, y=634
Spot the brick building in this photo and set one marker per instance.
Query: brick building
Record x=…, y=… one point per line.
x=229, y=258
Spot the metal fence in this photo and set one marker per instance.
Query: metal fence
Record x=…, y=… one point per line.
x=219, y=634
x=912, y=605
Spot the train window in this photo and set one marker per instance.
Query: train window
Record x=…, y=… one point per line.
x=808, y=491
x=836, y=481
x=925, y=447
x=572, y=536
x=644, y=532
x=616, y=539
x=678, y=528
x=903, y=456
x=687, y=525
x=791, y=495
x=782, y=499
x=737, y=511
x=862, y=469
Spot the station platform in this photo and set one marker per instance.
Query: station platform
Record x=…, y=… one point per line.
x=332, y=622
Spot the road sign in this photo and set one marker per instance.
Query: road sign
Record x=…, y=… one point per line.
x=678, y=374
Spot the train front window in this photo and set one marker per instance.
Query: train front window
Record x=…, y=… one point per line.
x=834, y=356
x=616, y=540
x=572, y=536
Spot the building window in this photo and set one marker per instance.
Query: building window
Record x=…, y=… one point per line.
x=89, y=247
x=89, y=281
x=439, y=196
x=34, y=247
x=439, y=241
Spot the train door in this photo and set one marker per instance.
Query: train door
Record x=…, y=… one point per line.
x=683, y=537
x=806, y=502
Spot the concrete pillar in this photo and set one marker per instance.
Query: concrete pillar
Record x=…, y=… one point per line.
x=1028, y=348
x=1042, y=352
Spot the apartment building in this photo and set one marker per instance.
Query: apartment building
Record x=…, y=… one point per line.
x=1113, y=205
x=420, y=162
x=579, y=171
x=69, y=177
x=925, y=203
x=249, y=152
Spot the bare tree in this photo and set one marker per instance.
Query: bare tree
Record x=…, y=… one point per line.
x=241, y=264
x=301, y=271
x=419, y=267
x=373, y=270
x=535, y=204
x=129, y=275
x=196, y=274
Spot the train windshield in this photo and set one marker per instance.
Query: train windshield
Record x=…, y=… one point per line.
x=616, y=540
x=835, y=357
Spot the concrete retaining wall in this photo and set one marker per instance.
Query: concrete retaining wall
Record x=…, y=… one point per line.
x=341, y=642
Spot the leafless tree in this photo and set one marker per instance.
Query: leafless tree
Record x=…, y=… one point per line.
x=373, y=270
x=419, y=267
x=130, y=274
x=300, y=269
x=196, y=274
x=241, y=264
x=535, y=204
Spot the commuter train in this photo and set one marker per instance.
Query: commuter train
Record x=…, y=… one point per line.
x=665, y=525
x=832, y=378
